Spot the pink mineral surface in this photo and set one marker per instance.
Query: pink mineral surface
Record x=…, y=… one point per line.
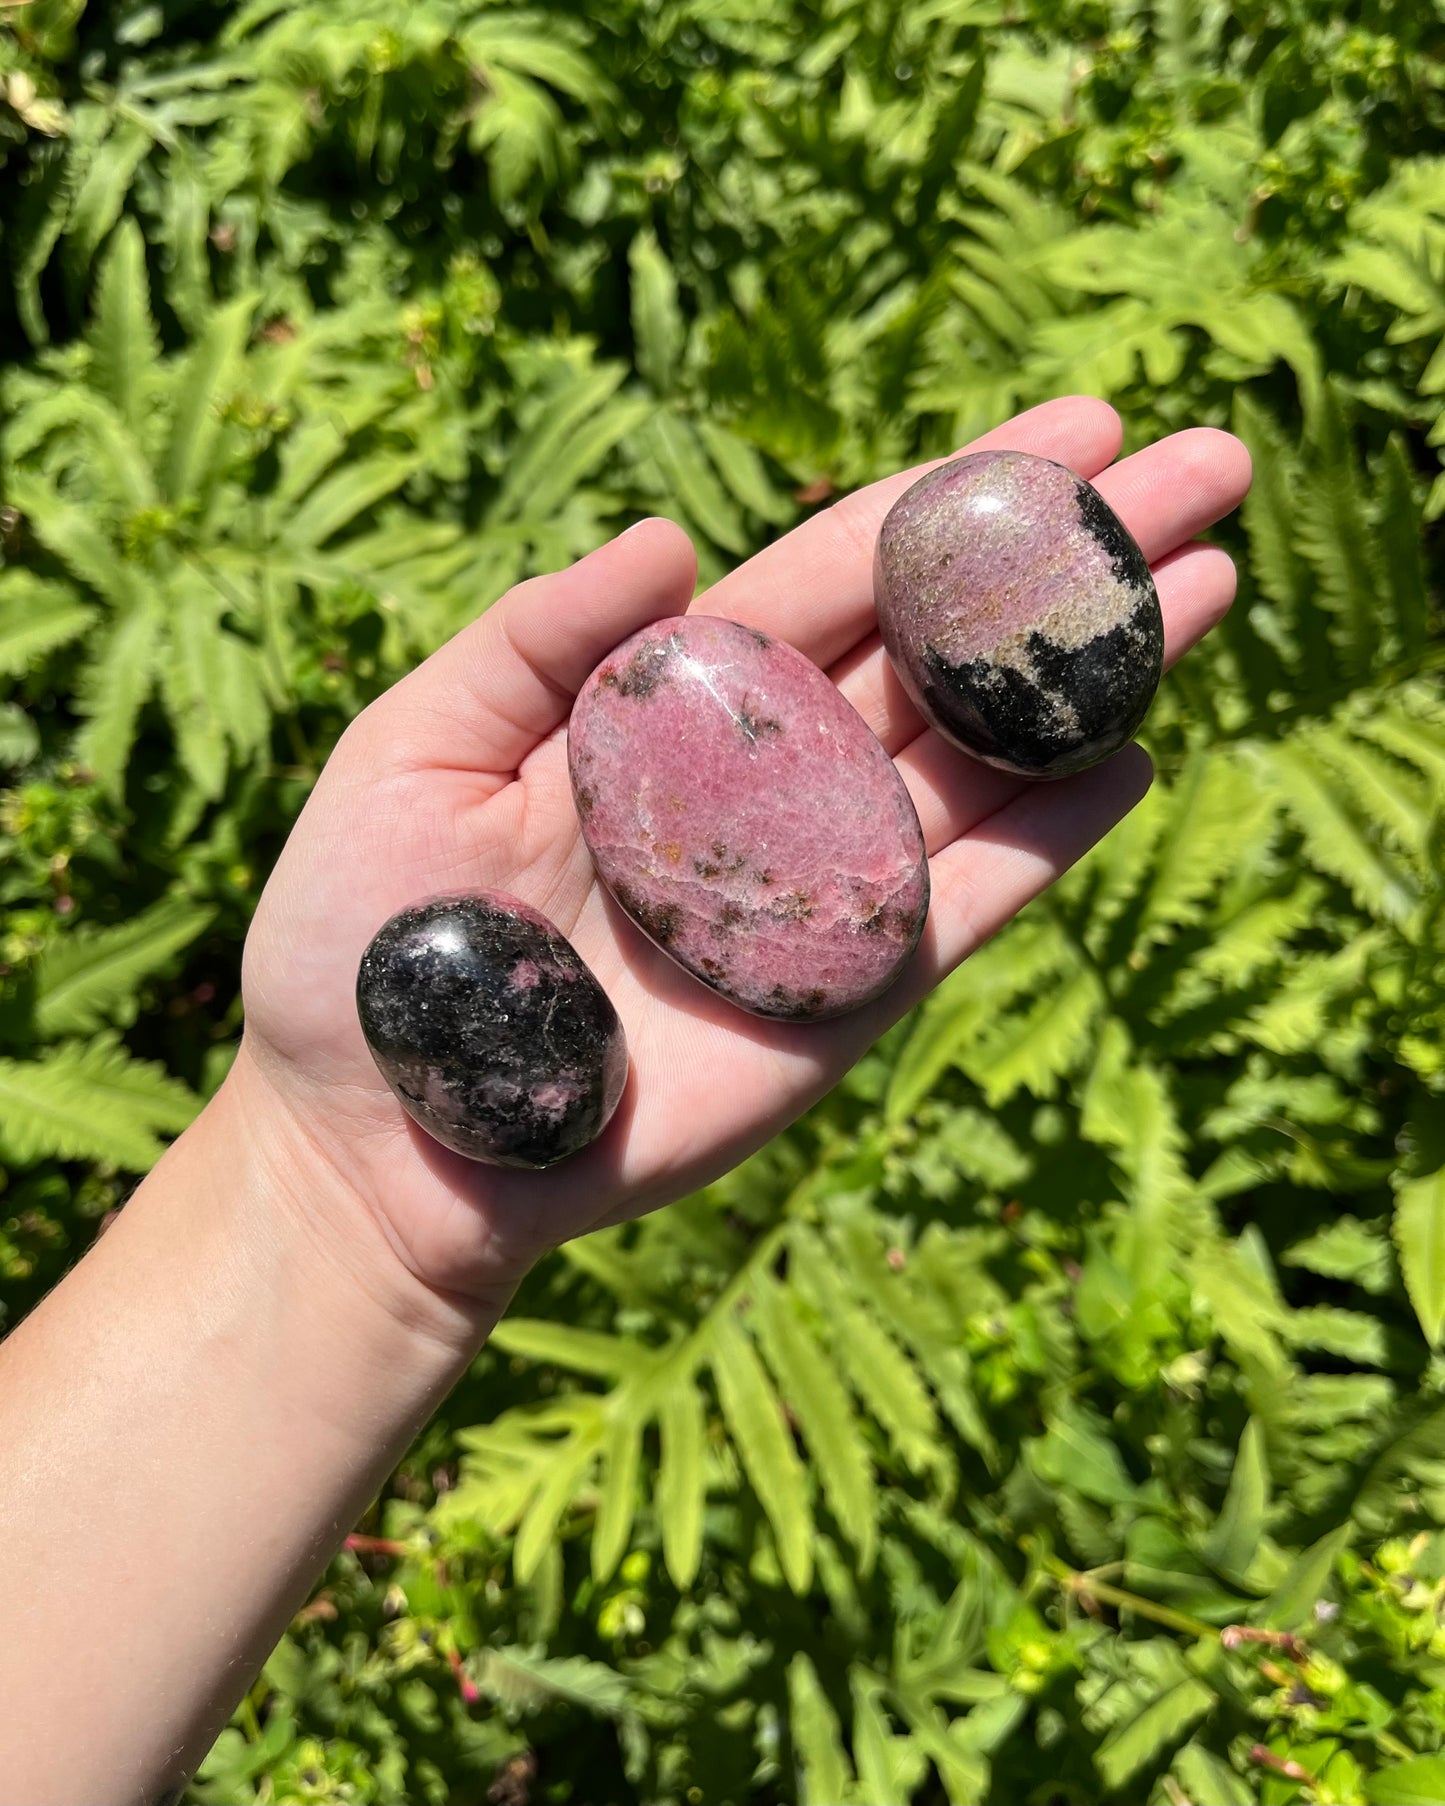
x=743, y=815
x=1019, y=613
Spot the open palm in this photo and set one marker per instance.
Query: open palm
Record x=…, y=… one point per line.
x=457, y=779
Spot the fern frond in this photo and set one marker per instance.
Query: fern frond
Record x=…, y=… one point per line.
x=125, y=350
x=578, y=1350
x=1333, y=532
x=337, y=500
x=36, y=617
x=90, y=1101
x=810, y=1388
x=755, y=1421
x=1398, y=532
x=198, y=384
x=1214, y=808
x=523, y=1681
x=91, y=975
x=825, y=1777
x=681, y=1478
x=883, y=1379
x=952, y=1018
x=691, y=478
x=1337, y=840
x=1385, y=791
x=571, y=435
x=1037, y=1046
x=1419, y=1232
x=113, y=689
x=658, y=331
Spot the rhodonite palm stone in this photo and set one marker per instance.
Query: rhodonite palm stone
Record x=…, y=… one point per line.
x=491, y=1030
x=1019, y=613
x=745, y=818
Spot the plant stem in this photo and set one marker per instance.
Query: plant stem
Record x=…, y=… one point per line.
x=1074, y=1582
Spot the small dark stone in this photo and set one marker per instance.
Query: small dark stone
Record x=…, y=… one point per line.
x=491, y=1030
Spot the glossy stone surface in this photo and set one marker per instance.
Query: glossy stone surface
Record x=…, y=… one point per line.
x=1019, y=613
x=491, y=1031
x=746, y=819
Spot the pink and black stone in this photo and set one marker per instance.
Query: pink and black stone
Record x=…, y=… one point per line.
x=1019, y=613
x=490, y=1029
x=743, y=815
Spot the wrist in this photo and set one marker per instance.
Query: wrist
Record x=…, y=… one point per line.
x=194, y=1418
x=290, y=1202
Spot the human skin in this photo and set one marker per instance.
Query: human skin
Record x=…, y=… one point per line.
x=196, y=1416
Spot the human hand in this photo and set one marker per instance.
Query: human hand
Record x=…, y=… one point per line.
x=457, y=779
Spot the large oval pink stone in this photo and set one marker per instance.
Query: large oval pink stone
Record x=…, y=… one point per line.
x=746, y=819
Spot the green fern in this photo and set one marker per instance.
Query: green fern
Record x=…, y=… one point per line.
x=90, y=1101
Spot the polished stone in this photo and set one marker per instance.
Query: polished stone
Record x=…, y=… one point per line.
x=491, y=1031
x=1019, y=613
x=746, y=819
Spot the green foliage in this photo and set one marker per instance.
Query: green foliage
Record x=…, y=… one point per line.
x=1056, y=1411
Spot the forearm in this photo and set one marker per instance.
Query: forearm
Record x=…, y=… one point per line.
x=189, y=1425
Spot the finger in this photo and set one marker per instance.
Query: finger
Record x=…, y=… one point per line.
x=484, y=700
x=1196, y=585
x=814, y=587
x=1196, y=591
x=982, y=880
x=1172, y=491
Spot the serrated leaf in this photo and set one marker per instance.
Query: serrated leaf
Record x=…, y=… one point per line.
x=617, y=1495
x=1333, y=532
x=1206, y=1778
x=824, y=1777
x=744, y=474
x=19, y=736
x=530, y=41
x=1346, y=1249
x=124, y=347
x=1035, y=1047
x=560, y=1484
x=564, y=1345
x=694, y=482
x=1144, y=1737
x=1291, y=1605
x=950, y=1023
x=338, y=499
x=811, y=1388
x=881, y=1375
x=198, y=384
x=90, y=975
x=90, y=1101
x=76, y=538
x=1078, y=1452
x=102, y=189
x=681, y=1478
x=1337, y=841
x=190, y=690
x=1234, y=1539
x=889, y=1767
x=571, y=436
x=1398, y=526
x=765, y=1447
x=1246, y=1310
x=524, y=1681
x=113, y=689
x=1214, y=807
x=36, y=617
x=1419, y=1231
x=658, y=331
